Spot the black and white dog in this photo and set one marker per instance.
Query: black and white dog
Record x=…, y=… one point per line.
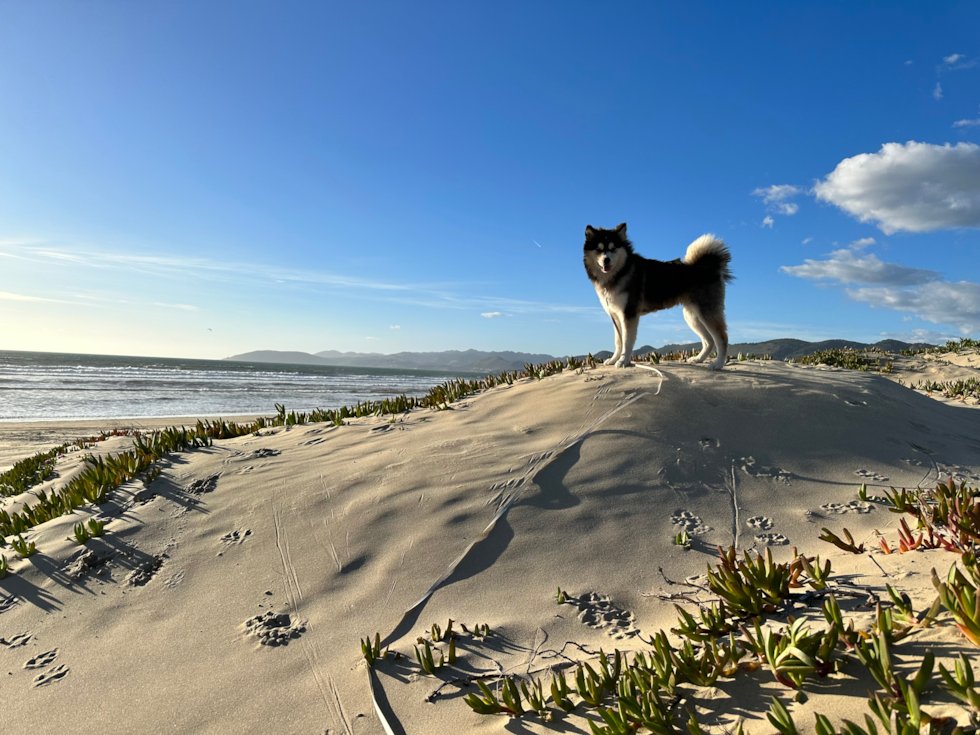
x=630, y=286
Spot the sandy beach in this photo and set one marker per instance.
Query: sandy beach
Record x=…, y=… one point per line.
x=164, y=623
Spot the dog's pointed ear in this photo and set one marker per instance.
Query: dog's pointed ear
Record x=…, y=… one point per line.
x=621, y=229
x=589, y=231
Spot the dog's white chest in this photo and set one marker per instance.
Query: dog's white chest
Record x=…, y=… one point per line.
x=611, y=300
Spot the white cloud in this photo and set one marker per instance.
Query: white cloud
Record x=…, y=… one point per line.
x=775, y=197
x=921, y=335
x=939, y=302
x=937, y=93
x=862, y=243
x=848, y=267
x=921, y=292
x=20, y=297
x=954, y=62
x=394, y=326
x=806, y=240
x=777, y=193
x=185, y=307
x=768, y=222
x=491, y=314
x=966, y=123
x=916, y=187
x=908, y=63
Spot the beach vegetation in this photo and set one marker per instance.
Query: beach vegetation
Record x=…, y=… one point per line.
x=952, y=345
x=4, y=566
x=848, y=358
x=81, y=533
x=848, y=545
x=683, y=539
x=426, y=660
x=23, y=548
x=959, y=389
x=372, y=650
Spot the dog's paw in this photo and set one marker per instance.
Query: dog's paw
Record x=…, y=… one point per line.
x=611, y=361
x=716, y=365
x=696, y=358
x=623, y=363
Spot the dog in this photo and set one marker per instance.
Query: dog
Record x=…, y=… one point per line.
x=629, y=286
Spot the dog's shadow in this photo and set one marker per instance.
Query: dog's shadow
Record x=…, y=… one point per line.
x=553, y=492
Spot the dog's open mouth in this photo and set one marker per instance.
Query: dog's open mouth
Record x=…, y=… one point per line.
x=605, y=267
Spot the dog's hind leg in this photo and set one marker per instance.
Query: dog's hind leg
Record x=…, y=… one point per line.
x=707, y=341
x=619, y=340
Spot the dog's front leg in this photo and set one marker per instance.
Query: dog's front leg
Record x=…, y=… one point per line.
x=619, y=340
x=629, y=327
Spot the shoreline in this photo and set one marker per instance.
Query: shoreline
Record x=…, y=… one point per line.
x=21, y=439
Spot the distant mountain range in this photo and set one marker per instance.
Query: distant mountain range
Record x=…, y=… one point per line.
x=475, y=361
x=467, y=361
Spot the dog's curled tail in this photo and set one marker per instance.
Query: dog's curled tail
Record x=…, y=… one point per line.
x=711, y=253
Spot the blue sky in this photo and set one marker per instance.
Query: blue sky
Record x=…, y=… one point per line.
x=202, y=179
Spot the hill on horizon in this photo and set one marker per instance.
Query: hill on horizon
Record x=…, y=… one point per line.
x=479, y=361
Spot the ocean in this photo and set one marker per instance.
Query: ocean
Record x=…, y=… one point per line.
x=41, y=386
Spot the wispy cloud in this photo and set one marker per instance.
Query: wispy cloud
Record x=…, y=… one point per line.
x=395, y=326
x=966, y=123
x=455, y=295
x=921, y=335
x=768, y=222
x=776, y=198
x=776, y=193
x=491, y=314
x=21, y=297
x=937, y=92
x=847, y=267
x=184, y=307
x=918, y=291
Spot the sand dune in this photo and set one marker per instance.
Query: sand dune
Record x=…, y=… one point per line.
x=174, y=621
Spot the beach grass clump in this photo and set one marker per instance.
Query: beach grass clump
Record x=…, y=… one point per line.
x=960, y=389
x=847, y=358
x=31, y=471
x=372, y=650
x=83, y=532
x=4, y=567
x=952, y=345
x=24, y=548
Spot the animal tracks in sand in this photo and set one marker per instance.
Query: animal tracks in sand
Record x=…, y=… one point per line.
x=51, y=676
x=274, y=629
x=237, y=536
x=7, y=603
x=689, y=522
x=145, y=572
x=17, y=641
x=855, y=506
x=771, y=539
x=763, y=523
x=749, y=466
x=42, y=659
x=871, y=476
x=598, y=611
x=204, y=485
